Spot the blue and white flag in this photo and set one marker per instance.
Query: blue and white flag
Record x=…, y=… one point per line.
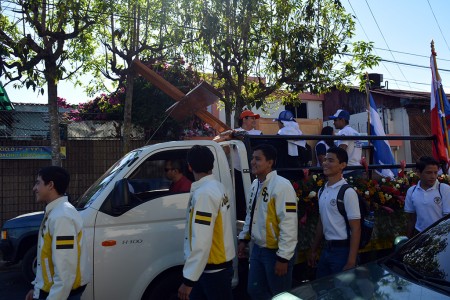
x=382, y=154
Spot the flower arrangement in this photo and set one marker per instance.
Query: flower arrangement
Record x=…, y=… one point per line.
x=385, y=196
x=196, y=128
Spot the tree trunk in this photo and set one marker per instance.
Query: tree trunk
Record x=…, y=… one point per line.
x=53, y=113
x=127, y=125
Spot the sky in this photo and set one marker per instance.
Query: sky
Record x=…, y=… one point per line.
x=401, y=31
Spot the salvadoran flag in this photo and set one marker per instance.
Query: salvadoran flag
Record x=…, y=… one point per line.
x=382, y=154
x=438, y=114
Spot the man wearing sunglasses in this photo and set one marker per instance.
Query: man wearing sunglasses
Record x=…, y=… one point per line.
x=174, y=172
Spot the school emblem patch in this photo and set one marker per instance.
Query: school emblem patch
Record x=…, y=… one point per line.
x=437, y=200
x=333, y=202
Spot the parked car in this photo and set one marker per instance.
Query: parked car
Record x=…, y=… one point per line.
x=18, y=242
x=418, y=269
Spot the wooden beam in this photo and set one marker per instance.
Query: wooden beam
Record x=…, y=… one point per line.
x=174, y=93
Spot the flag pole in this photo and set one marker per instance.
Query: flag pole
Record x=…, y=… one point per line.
x=442, y=116
x=368, y=103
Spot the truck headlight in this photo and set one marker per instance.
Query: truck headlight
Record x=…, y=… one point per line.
x=4, y=234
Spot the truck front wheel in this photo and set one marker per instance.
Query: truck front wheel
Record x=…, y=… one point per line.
x=165, y=287
x=29, y=264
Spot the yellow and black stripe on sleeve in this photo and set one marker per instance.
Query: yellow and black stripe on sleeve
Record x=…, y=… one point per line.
x=65, y=242
x=203, y=218
x=291, y=207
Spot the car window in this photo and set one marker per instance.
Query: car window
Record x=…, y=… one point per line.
x=149, y=177
x=429, y=254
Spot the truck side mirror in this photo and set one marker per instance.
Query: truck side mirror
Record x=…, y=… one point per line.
x=120, y=195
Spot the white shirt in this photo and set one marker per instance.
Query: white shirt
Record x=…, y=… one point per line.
x=252, y=131
x=333, y=222
x=427, y=204
x=354, y=147
x=236, y=160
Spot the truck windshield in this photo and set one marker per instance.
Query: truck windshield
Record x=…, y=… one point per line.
x=99, y=185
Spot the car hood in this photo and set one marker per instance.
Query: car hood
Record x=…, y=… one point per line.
x=371, y=281
x=27, y=220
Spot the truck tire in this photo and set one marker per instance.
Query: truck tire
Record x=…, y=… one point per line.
x=29, y=264
x=165, y=288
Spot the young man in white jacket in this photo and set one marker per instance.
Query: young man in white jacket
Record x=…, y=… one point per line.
x=272, y=225
x=63, y=266
x=209, y=241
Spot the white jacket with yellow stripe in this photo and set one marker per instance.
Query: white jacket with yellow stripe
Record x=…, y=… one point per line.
x=275, y=220
x=209, y=241
x=62, y=258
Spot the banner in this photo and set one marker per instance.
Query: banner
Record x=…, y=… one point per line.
x=28, y=152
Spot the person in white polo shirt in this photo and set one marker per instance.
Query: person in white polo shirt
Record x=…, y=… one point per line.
x=339, y=252
x=429, y=200
x=353, y=147
x=247, y=122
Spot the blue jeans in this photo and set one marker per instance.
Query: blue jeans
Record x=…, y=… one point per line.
x=332, y=260
x=215, y=285
x=262, y=281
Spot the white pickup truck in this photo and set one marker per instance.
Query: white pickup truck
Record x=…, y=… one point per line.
x=135, y=226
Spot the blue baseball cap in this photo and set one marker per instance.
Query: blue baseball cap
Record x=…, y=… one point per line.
x=285, y=115
x=340, y=114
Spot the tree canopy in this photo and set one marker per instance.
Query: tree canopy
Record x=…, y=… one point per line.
x=43, y=42
x=259, y=46
x=248, y=49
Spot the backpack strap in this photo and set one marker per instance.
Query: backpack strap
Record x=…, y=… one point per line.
x=341, y=206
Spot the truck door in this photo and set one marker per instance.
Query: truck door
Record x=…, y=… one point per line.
x=142, y=237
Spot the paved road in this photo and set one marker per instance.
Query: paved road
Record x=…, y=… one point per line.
x=12, y=284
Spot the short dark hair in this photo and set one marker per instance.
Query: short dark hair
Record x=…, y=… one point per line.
x=269, y=151
x=341, y=154
x=327, y=130
x=201, y=159
x=425, y=161
x=58, y=175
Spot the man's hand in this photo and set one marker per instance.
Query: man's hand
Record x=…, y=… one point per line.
x=184, y=291
x=29, y=295
x=281, y=268
x=312, y=259
x=348, y=266
x=241, y=249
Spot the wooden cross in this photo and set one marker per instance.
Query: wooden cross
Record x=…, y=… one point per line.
x=193, y=102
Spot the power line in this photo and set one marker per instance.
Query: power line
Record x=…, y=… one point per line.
x=438, y=24
x=362, y=27
x=379, y=29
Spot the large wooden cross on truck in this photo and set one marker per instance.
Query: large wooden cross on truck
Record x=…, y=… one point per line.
x=193, y=102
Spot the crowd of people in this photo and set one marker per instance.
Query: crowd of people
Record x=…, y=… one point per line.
x=270, y=229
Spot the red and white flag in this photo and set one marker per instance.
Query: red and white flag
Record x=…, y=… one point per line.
x=440, y=113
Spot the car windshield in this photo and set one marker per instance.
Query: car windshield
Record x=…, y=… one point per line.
x=92, y=193
x=428, y=256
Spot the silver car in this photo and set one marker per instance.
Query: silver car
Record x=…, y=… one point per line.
x=418, y=269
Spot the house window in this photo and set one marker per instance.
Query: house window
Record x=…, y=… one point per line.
x=299, y=111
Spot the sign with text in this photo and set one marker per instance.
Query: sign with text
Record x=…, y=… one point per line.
x=28, y=152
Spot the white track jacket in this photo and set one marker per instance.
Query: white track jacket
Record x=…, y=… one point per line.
x=209, y=242
x=275, y=220
x=62, y=257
